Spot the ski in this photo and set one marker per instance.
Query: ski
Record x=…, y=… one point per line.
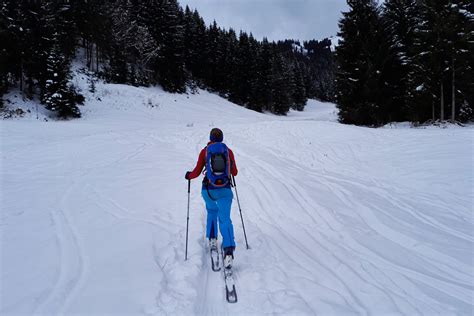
x=215, y=259
x=230, y=292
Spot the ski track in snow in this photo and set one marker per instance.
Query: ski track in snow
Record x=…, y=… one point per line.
x=72, y=264
x=340, y=219
x=344, y=195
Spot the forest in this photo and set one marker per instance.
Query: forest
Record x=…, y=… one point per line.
x=405, y=60
x=401, y=60
x=148, y=42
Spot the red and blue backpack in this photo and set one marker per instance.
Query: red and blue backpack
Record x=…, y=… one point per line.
x=218, y=165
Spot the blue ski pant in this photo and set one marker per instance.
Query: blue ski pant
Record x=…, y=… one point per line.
x=218, y=211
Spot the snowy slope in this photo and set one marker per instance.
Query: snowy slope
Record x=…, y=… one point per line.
x=340, y=219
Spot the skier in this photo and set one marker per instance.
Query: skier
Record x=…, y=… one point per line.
x=218, y=161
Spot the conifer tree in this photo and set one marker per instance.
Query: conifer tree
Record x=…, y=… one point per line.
x=9, y=45
x=245, y=76
x=264, y=78
x=190, y=37
x=24, y=43
x=299, y=92
x=403, y=22
x=444, y=46
x=212, y=54
x=171, y=69
x=320, y=77
x=228, y=62
x=460, y=46
x=57, y=93
x=138, y=49
x=431, y=56
x=199, y=40
x=365, y=66
x=118, y=68
x=280, y=92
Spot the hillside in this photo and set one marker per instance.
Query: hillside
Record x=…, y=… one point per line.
x=340, y=219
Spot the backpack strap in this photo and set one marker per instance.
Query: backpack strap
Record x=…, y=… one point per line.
x=229, y=162
x=207, y=189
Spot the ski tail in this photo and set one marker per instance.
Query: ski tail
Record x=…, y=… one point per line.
x=230, y=291
x=215, y=259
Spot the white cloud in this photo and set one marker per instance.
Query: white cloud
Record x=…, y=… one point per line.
x=275, y=19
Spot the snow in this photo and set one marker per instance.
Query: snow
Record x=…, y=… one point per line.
x=300, y=48
x=335, y=42
x=340, y=219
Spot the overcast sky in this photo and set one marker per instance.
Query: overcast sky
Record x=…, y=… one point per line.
x=275, y=19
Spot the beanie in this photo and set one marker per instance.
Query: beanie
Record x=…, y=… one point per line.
x=216, y=135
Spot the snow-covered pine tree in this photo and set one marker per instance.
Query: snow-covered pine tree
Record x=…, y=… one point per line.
x=21, y=38
x=212, y=52
x=403, y=20
x=466, y=113
x=121, y=39
x=131, y=50
x=198, y=42
x=433, y=54
x=245, y=76
x=292, y=53
x=219, y=54
x=58, y=94
x=264, y=77
x=171, y=62
x=280, y=92
x=7, y=46
x=299, y=93
x=228, y=61
x=240, y=85
x=190, y=32
x=194, y=38
x=365, y=66
x=320, y=77
x=139, y=50
x=93, y=22
x=460, y=44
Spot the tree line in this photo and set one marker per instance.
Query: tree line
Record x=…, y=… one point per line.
x=405, y=60
x=147, y=42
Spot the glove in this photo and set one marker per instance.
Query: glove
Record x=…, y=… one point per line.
x=187, y=175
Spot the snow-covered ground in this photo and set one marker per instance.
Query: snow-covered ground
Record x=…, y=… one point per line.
x=340, y=219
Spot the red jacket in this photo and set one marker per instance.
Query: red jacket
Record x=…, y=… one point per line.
x=202, y=162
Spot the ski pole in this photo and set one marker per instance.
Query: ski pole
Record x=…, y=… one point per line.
x=187, y=222
x=240, y=210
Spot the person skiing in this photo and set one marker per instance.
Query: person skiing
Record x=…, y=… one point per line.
x=219, y=163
